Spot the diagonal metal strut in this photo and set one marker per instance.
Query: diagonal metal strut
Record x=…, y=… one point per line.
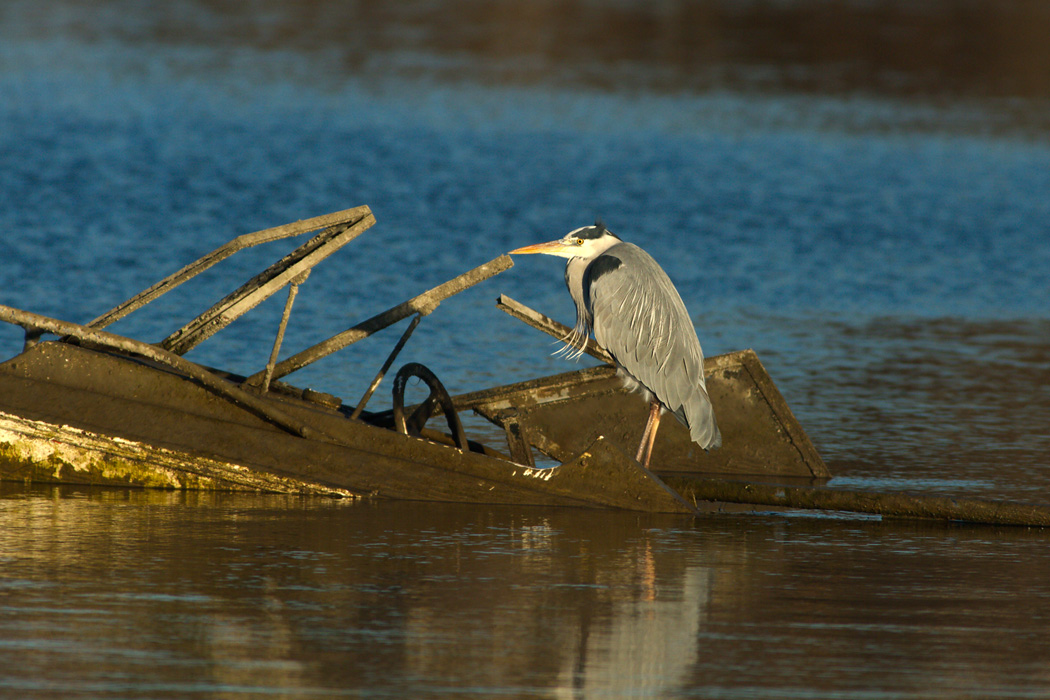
x=423, y=303
x=265, y=284
x=247, y=240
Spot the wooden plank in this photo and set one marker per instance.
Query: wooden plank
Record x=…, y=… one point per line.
x=549, y=326
x=38, y=451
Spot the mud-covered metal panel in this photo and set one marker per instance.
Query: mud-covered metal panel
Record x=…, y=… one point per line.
x=81, y=416
x=566, y=413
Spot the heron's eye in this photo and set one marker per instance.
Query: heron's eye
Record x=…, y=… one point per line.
x=577, y=241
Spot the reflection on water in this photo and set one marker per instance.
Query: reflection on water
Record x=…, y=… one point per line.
x=978, y=49
x=118, y=593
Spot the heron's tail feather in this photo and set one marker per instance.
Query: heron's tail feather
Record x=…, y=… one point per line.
x=698, y=415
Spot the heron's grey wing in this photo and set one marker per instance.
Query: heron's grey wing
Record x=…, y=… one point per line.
x=639, y=317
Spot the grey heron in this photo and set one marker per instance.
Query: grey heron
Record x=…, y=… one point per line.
x=626, y=299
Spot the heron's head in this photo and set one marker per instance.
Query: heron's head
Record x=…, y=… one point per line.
x=587, y=242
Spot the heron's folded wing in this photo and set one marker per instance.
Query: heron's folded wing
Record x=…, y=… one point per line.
x=639, y=317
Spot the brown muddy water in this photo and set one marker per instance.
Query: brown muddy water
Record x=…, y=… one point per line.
x=114, y=593
x=857, y=190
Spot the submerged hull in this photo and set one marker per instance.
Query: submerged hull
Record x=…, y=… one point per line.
x=561, y=415
x=99, y=408
x=74, y=415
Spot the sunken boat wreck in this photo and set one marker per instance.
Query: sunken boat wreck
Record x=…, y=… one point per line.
x=86, y=406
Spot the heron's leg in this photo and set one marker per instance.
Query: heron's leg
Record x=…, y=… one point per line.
x=645, y=435
x=656, y=412
x=645, y=448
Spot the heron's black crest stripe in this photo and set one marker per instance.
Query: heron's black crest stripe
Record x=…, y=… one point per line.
x=591, y=232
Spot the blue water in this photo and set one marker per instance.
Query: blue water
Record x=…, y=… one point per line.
x=883, y=249
x=891, y=276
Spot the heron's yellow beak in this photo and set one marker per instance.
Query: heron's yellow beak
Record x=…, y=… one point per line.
x=549, y=248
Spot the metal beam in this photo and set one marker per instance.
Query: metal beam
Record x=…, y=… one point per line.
x=221, y=253
x=110, y=341
x=421, y=304
x=549, y=326
x=264, y=285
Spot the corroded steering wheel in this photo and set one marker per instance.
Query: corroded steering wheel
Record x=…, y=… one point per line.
x=413, y=425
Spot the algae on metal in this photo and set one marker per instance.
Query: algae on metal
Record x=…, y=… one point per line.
x=45, y=453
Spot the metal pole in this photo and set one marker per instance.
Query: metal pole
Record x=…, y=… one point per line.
x=386, y=365
x=423, y=303
x=293, y=289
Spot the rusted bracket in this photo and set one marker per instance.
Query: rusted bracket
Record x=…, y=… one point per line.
x=248, y=240
x=518, y=441
x=519, y=437
x=265, y=284
x=33, y=336
x=423, y=303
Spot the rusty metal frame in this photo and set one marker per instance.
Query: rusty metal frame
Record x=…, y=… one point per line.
x=268, y=282
x=421, y=304
x=360, y=215
x=292, y=270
